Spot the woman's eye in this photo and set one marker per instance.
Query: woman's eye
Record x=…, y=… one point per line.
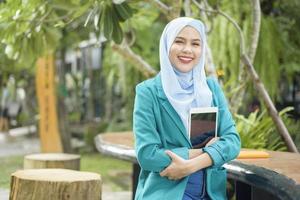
x=178, y=41
x=196, y=44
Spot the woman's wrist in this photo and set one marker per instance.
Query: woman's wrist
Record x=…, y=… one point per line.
x=191, y=166
x=198, y=163
x=193, y=153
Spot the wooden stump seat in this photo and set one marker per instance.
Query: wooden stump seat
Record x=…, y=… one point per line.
x=52, y=160
x=55, y=184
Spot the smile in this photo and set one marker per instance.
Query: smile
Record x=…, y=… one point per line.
x=185, y=59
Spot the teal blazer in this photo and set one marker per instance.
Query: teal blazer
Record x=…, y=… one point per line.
x=157, y=127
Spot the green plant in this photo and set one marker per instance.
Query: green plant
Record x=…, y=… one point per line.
x=257, y=131
x=90, y=132
x=293, y=126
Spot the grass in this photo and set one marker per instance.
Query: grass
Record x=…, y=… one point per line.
x=116, y=174
x=9, y=165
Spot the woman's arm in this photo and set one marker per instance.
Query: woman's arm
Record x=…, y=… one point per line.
x=149, y=148
x=180, y=168
x=228, y=146
x=224, y=149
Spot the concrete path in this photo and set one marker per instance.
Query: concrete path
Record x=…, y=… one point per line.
x=10, y=146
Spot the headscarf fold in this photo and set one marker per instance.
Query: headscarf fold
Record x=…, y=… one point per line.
x=183, y=90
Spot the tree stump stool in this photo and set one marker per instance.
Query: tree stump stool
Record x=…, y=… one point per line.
x=52, y=160
x=55, y=184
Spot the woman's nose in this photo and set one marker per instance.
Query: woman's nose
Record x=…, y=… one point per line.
x=187, y=49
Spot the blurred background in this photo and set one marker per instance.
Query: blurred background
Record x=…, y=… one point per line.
x=71, y=67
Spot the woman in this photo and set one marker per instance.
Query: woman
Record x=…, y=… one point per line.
x=170, y=168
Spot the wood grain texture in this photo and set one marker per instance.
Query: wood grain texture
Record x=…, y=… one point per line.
x=55, y=184
x=52, y=160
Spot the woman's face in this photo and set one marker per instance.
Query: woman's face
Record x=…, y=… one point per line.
x=186, y=50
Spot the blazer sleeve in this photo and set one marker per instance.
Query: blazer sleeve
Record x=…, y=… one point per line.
x=228, y=146
x=149, y=148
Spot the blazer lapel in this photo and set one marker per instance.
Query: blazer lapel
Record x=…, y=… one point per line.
x=170, y=110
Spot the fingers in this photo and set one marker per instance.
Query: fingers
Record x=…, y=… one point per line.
x=172, y=155
x=172, y=178
x=171, y=172
x=164, y=172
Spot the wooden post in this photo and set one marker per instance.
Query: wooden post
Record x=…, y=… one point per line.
x=55, y=184
x=52, y=160
x=46, y=95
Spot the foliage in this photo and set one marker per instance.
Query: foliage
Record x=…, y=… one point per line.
x=91, y=130
x=107, y=17
x=33, y=28
x=27, y=34
x=257, y=131
x=222, y=38
x=122, y=76
x=278, y=55
x=288, y=22
x=267, y=63
x=293, y=126
x=225, y=47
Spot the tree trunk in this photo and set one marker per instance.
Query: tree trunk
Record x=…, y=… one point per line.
x=55, y=184
x=52, y=160
x=270, y=106
x=238, y=97
x=136, y=60
x=63, y=123
x=90, y=104
x=47, y=101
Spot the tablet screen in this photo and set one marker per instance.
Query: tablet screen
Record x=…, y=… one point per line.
x=202, y=127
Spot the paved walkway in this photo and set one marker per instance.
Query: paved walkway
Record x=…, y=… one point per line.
x=17, y=143
x=10, y=146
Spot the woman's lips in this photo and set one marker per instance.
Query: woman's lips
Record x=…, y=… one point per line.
x=185, y=59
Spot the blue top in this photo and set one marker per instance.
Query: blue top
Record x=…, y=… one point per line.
x=195, y=188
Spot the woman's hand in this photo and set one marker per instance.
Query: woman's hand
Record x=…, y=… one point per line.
x=213, y=140
x=178, y=169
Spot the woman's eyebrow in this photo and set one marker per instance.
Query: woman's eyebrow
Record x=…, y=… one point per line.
x=182, y=38
x=196, y=40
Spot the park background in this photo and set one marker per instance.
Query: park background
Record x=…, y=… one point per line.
x=92, y=53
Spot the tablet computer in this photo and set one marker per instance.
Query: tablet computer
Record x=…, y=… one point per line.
x=202, y=125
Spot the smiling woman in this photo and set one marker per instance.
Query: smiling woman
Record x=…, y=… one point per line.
x=170, y=167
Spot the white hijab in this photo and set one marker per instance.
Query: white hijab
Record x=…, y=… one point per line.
x=183, y=90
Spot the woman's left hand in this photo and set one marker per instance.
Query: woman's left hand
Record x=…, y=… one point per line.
x=213, y=140
x=177, y=169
